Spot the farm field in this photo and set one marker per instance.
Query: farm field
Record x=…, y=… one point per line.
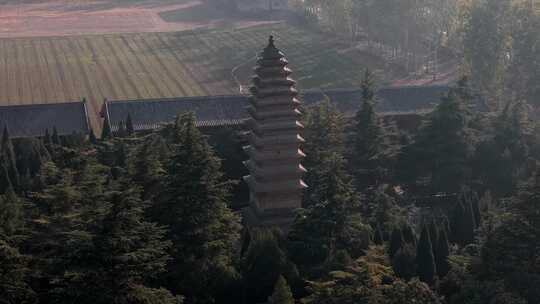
x=39, y=18
x=153, y=65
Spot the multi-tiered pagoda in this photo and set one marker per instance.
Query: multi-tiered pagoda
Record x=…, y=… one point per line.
x=275, y=179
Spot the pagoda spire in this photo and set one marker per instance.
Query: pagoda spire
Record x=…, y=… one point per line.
x=275, y=179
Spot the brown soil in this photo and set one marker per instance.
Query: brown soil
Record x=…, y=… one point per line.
x=80, y=17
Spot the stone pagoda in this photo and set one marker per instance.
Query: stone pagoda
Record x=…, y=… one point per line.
x=275, y=179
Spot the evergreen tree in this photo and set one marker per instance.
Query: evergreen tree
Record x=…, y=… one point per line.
x=324, y=132
x=263, y=264
x=441, y=150
x=511, y=250
x=55, y=137
x=61, y=227
x=130, y=250
x=26, y=182
x=121, y=154
x=408, y=235
x=475, y=209
x=367, y=151
x=523, y=74
x=413, y=291
x=129, y=125
x=47, y=137
x=31, y=154
x=425, y=259
x=463, y=224
x=11, y=214
x=442, y=251
x=13, y=272
x=282, y=293
x=139, y=294
x=486, y=33
x=5, y=181
x=145, y=165
x=203, y=229
x=500, y=159
x=8, y=159
x=381, y=208
x=433, y=232
x=378, y=237
x=333, y=184
x=92, y=136
x=396, y=242
x=319, y=232
x=106, y=132
x=121, y=129
x=404, y=262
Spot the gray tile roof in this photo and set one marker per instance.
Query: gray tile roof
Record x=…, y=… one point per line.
x=32, y=120
x=230, y=110
x=151, y=113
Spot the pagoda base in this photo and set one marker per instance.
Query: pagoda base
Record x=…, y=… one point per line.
x=281, y=218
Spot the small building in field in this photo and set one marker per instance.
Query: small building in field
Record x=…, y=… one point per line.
x=255, y=6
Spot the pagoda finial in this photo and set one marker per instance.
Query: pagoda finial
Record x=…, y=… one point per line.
x=271, y=41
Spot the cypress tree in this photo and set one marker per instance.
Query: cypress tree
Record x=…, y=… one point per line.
x=475, y=205
x=145, y=166
x=396, y=242
x=469, y=222
x=120, y=154
x=425, y=259
x=327, y=225
x=262, y=265
x=442, y=251
x=55, y=137
x=463, y=223
x=282, y=293
x=433, y=232
x=408, y=235
x=8, y=160
x=26, y=182
x=195, y=207
x=32, y=155
x=92, y=137
x=446, y=227
x=378, y=237
x=106, y=133
x=11, y=213
x=137, y=247
x=47, y=138
x=121, y=129
x=13, y=270
x=324, y=134
x=404, y=262
x=5, y=181
x=441, y=148
x=368, y=135
x=129, y=125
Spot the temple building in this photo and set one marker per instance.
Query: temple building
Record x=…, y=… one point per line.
x=275, y=180
x=33, y=120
